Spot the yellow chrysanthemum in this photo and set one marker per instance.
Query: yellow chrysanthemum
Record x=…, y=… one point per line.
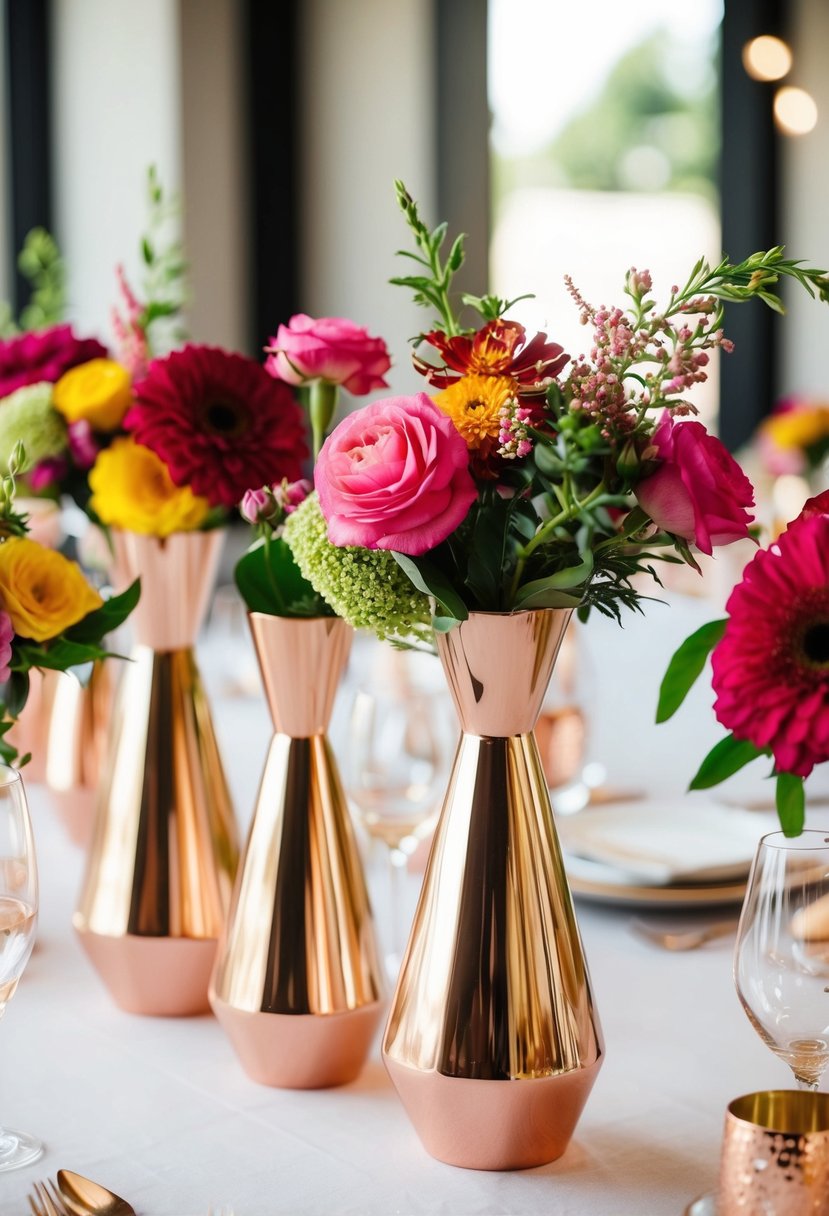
x=474, y=404
x=132, y=489
x=41, y=590
x=98, y=392
x=798, y=428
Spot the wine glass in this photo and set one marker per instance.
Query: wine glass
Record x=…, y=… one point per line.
x=18, y=921
x=400, y=737
x=781, y=962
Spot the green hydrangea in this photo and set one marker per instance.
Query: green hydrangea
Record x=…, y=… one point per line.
x=364, y=586
x=28, y=416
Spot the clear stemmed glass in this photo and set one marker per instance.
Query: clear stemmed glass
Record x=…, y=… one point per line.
x=18, y=921
x=781, y=962
x=399, y=740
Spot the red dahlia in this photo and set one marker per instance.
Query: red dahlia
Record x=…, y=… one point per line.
x=43, y=355
x=499, y=348
x=219, y=422
x=771, y=669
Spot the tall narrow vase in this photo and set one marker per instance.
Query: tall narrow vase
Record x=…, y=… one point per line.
x=164, y=850
x=298, y=984
x=77, y=733
x=492, y=1040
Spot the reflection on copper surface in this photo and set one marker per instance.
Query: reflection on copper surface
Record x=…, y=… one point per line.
x=298, y=983
x=775, y=1156
x=77, y=734
x=494, y=985
x=164, y=849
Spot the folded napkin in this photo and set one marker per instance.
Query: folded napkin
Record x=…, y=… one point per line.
x=658, y=842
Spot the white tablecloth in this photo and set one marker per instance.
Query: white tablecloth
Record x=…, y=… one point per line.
x=161, y=1111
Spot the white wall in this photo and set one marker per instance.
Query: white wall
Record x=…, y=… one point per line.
x=368, y=118
x=805, y=210
x=116, y=111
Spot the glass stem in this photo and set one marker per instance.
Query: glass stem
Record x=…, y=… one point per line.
x=397, y=867
x=807, y=1083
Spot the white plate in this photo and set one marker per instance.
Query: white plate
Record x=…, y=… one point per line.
x=600, y=884
x=657, y=844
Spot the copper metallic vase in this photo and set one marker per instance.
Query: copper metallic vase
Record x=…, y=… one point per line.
x=164, y=850
x=492, y=1040
x=77, y=734
x=298, y=984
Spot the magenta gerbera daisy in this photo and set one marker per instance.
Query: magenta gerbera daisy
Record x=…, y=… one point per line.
x=771, y=669
x=219, y=422
x=43, y=355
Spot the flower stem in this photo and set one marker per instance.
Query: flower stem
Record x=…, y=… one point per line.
x=322, y=403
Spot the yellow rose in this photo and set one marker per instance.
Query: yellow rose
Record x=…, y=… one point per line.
x=798, y=428
x=132, y=489
x=98, y=392
x=41, y=590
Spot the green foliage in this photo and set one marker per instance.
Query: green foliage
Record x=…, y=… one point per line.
x=270, y=581
x=725, y=758
x=790, y=798
x=41, y=264
x=685, y=666
x=164, y=285
x=431, y=581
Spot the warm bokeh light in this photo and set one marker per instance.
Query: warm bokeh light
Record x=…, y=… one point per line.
x=767, y=58
x=795, y=111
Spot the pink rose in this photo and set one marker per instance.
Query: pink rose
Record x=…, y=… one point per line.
x=6, y=638
x=331, y=349
x=291, y=494
x=394, y=475
x=698, y=491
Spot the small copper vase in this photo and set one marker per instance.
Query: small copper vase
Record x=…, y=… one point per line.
x=77, y=734
x=298, y=984
x=492, y=1040
x=164, y=848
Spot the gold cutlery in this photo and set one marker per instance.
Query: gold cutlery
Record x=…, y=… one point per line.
x=82, y=1197
x=44, y=1204
x=683, y=939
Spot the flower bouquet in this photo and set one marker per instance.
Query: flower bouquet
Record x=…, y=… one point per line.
x=298, y=990
x=529, y=487
x=51, y=619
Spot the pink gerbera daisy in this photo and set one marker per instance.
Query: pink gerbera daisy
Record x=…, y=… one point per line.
x=771, y=669
x=219, y=422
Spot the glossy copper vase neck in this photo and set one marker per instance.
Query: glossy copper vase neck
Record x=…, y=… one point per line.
x=498, y=666
x=177, y=576
x=302, y=662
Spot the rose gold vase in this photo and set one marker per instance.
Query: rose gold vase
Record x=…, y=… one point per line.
x=492, y=1040
x=164, y=852
x=77, y=734
x=298, y=984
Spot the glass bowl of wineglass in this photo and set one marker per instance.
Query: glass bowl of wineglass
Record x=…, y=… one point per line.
x=781, y=961
x=397, y=745
x=18, y=923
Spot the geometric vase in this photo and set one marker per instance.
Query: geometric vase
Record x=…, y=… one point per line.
x=76, y=742
x=298, y=985
x=164, y=848
x=492, y=1040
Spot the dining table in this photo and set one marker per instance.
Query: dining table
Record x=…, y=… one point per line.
x=160, y=1111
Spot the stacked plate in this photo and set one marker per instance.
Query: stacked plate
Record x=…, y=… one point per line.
x=684, y=854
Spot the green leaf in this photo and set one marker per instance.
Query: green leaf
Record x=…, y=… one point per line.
x=16, y=693
x=270, y=581
x=443, y=624
x=147, y=250
x=61, y=654
x=725, y=758
x=112, y=613
x=428, y=579
x=540, y=594
x=685, y=667
x=791, y=803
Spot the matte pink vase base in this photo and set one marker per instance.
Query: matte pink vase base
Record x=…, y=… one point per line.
x=154, y=976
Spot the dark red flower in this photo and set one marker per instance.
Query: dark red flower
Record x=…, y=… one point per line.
x=43, y=355
x=499, y=348
x=771, y=669
x=219, y=422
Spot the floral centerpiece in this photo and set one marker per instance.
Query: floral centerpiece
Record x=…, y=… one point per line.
x=770, y=666
x=795, y=437
x=50, y=617
x=529, y=486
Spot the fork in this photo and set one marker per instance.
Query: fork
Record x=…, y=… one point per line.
x=683, y=939
x=43, y=1203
